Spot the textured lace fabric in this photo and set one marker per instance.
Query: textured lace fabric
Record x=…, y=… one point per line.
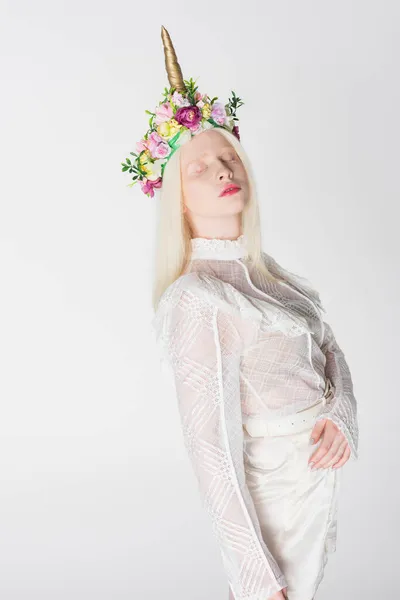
x=241, y=346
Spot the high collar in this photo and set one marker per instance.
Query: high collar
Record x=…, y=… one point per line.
x=218, y=249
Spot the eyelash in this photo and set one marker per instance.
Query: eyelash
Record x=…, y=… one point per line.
x=232, y=159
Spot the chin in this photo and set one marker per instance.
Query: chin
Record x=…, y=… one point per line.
x=237, y=200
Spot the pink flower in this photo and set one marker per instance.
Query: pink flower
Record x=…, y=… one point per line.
x=218, y=113
x=163, y=113
x=141, y=145
x=189, y=116
x=148, y=186
x=198, y=96
x=179, y=100
x=200, y=99
x=158, y=147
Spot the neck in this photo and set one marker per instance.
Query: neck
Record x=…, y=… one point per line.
x=227, y=227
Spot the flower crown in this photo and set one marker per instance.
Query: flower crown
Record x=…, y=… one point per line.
x=182, y=113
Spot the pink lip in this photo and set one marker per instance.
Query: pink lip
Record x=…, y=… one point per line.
x=234, y=189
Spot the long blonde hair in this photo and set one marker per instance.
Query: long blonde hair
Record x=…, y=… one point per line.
x=173, y=245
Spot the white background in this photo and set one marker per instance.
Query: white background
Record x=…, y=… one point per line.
x=97, y=498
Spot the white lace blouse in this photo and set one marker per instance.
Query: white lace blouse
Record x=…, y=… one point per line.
x=242, y=347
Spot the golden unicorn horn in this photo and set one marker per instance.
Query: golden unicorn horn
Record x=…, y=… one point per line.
x=174, y=72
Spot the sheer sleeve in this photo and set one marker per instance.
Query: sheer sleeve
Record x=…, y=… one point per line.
x=342, y=408
x=202, y=345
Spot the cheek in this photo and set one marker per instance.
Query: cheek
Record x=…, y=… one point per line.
x=199, y=196
x=241, y=175
x=241, y=172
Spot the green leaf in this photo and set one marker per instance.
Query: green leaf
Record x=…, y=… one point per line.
x=211, y=120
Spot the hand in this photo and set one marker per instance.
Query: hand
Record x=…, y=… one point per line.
x=334, y=450
x=281, y=595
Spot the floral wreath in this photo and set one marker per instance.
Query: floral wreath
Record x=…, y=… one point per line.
x=182, y=113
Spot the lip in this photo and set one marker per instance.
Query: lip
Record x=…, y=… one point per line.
x=233, y=189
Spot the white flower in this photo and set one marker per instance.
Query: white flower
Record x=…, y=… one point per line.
x=154, y=169
x=184, y=137
x=229, y=122
x=207, y=125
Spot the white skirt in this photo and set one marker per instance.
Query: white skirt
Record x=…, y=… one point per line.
x=296, y=507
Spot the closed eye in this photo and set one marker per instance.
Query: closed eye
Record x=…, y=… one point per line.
x=195, y=168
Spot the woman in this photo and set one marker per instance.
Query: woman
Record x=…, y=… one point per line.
x=257, y=370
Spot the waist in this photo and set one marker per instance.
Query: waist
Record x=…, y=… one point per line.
x=288, y=424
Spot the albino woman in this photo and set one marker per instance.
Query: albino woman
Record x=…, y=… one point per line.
x=257, y=370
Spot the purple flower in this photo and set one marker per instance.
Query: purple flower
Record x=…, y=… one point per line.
x=189, y=116
x=235, y=131
x=218, y=113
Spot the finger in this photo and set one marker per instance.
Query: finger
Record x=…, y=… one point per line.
x=327, y=441
x=320, y=453
x=317, y=430
x=338, y=454
x=329, y=457
x=331, y=446
x=344, y=458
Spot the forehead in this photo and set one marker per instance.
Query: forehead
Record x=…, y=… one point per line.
x=206, y=143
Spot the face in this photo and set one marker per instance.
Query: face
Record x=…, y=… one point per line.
x=209, y=163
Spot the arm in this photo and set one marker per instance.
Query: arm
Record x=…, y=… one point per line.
x=342, y=408
x=202, y=346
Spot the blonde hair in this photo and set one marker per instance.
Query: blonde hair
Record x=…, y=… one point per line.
x=173, y=239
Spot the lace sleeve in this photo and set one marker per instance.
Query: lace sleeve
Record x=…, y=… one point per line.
x=342, y=408
x=202, y=345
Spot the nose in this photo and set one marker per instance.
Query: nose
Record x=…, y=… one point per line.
x=224, y=172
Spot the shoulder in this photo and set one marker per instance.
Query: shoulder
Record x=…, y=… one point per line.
x=299, y=282
x=204, y=290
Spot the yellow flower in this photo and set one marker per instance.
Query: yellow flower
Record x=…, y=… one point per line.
x=163, y=130
x=144, y=162
x=174, y=127
x=168, y=129
x=206, y=111
x=143, y=158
